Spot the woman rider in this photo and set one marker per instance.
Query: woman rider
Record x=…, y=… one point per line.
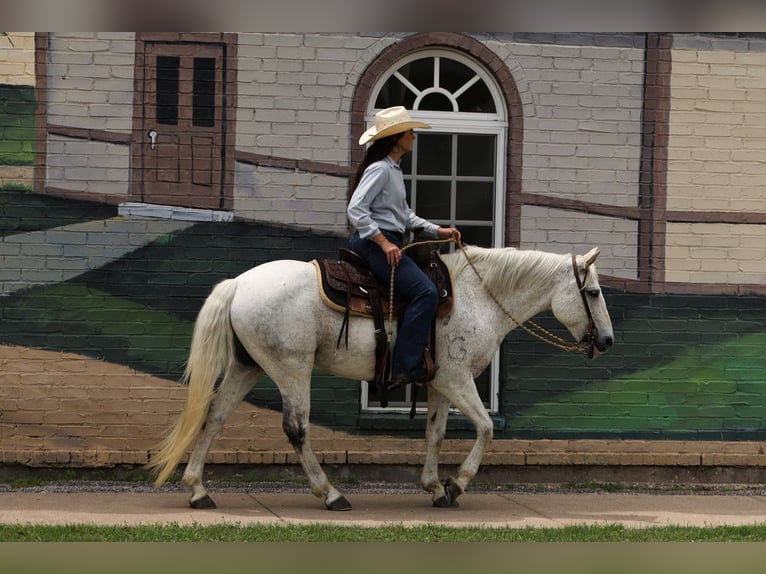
x=380, y=215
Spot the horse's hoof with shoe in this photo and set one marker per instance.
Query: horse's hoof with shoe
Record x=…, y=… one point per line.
x=203, y=503
x=451, y=492
x=339, y=504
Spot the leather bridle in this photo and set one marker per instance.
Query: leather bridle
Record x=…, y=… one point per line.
x=581, y=288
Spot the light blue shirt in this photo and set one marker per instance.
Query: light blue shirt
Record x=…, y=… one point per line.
x=380, y=202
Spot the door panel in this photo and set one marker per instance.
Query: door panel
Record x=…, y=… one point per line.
x=165, y=160
x=183, y=108
x=202, y=166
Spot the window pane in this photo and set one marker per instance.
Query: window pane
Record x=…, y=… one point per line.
x=203, y=100
x=476, y=155
x=453, y=75
x=167, y=90
x=394, y=93
x=475, y=235
x=475, y=200
x=434, y=154
x=477, y=99
x=433, y=199
x=397, y=397
x=419, y=73
x=436, y=103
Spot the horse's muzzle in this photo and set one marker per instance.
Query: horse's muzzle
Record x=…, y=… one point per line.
x=597, y=344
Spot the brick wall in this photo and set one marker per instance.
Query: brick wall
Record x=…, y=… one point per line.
x=686, y=366
x=90, y=80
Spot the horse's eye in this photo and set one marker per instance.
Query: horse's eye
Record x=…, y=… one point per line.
x=594, y=293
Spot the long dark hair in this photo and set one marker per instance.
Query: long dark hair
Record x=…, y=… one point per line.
x=376, y=152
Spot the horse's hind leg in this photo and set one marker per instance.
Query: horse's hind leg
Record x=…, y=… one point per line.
x=236, y=383
x=296, y=402
x=438, y=409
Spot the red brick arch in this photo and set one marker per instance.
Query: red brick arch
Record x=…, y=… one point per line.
x=502, y=76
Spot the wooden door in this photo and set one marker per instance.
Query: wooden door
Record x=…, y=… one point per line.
x=183, y=124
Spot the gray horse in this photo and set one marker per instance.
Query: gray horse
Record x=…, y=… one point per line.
x=272, y=319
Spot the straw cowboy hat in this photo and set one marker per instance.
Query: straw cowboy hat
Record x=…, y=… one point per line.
x=389, y=122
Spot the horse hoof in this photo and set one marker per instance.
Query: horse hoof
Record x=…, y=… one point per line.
x=451, y=492
x=445, y=502
x=339, y=504
x=204, y=502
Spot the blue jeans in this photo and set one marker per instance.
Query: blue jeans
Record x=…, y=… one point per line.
x=421, y=295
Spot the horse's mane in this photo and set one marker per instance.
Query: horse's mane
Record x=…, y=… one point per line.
x=505, y=267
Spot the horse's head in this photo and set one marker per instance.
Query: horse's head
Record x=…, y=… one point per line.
x=579, y=305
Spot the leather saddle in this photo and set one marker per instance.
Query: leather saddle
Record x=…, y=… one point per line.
x=348, y=285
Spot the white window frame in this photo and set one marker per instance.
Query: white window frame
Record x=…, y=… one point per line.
x=457, y=123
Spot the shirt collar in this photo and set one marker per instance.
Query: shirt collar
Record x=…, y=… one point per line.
x=392, y=163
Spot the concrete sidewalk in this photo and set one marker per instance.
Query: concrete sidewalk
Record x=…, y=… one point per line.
x=516, y=510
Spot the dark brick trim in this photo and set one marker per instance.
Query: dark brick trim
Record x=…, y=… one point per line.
x=308, y=166
x=576, y=205
x=734, y=217
x=89, y=134
x=85, y=195
x=676, y=288
x=41, y=110
x=654, y=157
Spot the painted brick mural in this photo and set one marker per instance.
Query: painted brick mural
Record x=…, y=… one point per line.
x=649, y=146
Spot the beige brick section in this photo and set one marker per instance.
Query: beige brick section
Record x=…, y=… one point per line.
x=717, y=141
x=17, y=58
x=717, y=146
x=715, y=253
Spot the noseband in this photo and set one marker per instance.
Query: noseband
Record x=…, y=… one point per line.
x=581, y=288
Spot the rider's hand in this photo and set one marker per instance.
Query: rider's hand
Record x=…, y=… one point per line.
x=448, y=233
x=393, y=253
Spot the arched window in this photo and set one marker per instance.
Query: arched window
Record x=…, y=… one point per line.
x=456, y=172
x=438, y=82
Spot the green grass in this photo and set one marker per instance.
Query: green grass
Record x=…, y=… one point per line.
x=392, y=533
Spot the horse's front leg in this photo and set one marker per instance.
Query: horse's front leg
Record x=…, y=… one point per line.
x=465, y=397
x=436, y=427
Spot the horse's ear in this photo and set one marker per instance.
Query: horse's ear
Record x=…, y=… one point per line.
x=590, y=257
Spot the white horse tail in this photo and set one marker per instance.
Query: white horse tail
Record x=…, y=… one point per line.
x=211, y=347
